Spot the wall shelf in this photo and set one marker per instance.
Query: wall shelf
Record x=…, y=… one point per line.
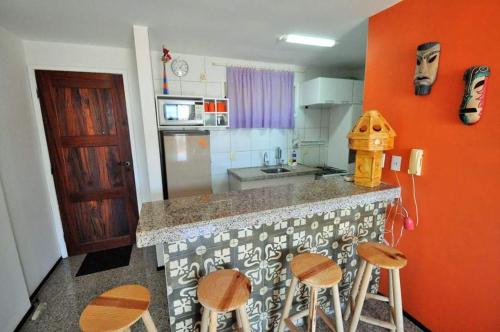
x=216, y=112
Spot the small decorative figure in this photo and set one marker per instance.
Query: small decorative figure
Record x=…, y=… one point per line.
x=165, y=58
x=427, y=67
x=476, y=80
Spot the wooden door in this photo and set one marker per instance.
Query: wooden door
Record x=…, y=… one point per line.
x=85, y=122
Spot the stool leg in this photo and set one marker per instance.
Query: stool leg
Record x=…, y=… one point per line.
x=311, y=319
x=238, y=320
x=355, y=289
x=242, y=313
x=360, y=299
x=148, y=322
x=397, y=300
x=391, y=299
x=338, y=311
x=288, y=304
x=205, y=320
x=213, y=322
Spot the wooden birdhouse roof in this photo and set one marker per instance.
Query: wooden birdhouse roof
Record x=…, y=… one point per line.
x=371, y=132
x=371, y=124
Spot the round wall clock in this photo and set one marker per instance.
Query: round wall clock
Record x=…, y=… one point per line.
x=180, y=67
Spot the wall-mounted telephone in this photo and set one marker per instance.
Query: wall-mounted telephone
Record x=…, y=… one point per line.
x=415, y=164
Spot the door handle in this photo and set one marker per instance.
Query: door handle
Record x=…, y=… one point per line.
x=125, y=163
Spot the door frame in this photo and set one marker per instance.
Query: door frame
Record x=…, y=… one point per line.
x=46, y=167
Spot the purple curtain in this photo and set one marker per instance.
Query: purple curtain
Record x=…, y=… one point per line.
x=260, y=98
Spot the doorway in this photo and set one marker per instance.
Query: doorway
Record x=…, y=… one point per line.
x=86, y=127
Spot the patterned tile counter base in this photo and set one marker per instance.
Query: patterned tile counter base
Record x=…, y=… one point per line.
x=263, y=253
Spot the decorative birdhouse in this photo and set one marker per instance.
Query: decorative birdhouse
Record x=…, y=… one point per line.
x=370, y=137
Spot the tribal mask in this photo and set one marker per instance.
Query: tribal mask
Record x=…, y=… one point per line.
x=427, y=67
x=476, y=79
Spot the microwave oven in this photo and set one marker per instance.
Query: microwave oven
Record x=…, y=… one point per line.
x=179, y=111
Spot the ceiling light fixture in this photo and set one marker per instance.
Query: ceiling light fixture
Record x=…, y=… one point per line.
x=306, y=40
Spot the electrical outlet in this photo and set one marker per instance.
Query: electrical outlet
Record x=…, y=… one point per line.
x=396, y=163
x=203, y=77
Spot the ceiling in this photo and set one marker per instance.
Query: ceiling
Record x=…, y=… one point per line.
x=245, y=29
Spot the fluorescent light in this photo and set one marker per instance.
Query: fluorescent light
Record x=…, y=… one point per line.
x=306, y=40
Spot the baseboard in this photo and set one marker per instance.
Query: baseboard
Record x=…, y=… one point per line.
x=416, y=322
x=413, y=319
x=33, y=296
x=35, y=293
x=25, y=318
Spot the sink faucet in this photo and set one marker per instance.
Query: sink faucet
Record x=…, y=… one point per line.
x=277, y=155
x=266, y=160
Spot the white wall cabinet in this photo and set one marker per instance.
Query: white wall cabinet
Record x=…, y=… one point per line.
x=324, y=90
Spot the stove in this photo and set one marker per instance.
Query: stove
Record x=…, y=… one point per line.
x=326, y=172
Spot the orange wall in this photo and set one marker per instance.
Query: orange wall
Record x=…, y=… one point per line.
x=452, y=280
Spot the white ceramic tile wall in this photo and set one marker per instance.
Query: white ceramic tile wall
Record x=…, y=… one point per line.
x=244, y=148
x=312, y=124
x=233, y=148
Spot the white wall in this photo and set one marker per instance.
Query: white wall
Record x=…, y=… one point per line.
x=14, y=297
x=25, y=187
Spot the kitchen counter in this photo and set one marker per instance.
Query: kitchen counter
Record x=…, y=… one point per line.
x=258, y=231
x=186, y=217
x=256, y=173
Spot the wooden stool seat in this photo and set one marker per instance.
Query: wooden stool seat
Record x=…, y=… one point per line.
x=224, y=290
x=382, y=255
x=372, y=255
x=316, y=270
x=118, y=309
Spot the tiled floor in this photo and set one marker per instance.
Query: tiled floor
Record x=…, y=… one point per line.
x=66, y=296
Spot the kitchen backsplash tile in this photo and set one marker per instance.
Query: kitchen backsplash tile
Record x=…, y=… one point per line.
x=220, y=141
x=241, y=159
x=221, y=161
x=312, y=134
x=259, y=139
x=240, y=139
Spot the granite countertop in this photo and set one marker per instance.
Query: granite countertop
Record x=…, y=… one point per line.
x=256, y=173
x=188, y=217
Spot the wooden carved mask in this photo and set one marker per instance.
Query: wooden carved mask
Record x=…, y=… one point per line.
x=476, y=79
x=427, y=67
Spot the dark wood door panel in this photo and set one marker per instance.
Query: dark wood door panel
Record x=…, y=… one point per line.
x=91, y=219
x=82, y=112
x=93, y=168
x=87, y=132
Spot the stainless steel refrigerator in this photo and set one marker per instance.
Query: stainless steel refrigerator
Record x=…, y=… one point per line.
x=186, y=163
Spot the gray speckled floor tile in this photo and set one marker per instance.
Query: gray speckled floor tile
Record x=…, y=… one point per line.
x=66, y=295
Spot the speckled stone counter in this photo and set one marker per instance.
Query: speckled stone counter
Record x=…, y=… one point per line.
x=256, y=173
x=258, y=232
x=183, y=218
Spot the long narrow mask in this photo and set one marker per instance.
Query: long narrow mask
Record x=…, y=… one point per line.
x=476, y=81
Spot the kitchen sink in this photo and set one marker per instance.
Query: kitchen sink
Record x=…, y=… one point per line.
x=275, y=170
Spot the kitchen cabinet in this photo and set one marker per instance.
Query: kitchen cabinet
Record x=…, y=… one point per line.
x=324, y=90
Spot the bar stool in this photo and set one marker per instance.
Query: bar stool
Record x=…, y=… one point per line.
x=315, y=271
x=223, y=291
x=117, y=310
x=381, y=255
